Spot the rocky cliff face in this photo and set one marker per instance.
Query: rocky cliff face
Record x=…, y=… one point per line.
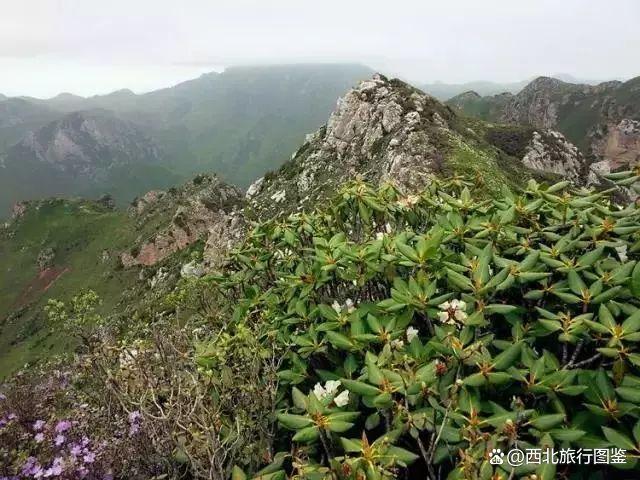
x=536, y=104
x=600, y=119
x=386, y=130
x=550, y=152
x=205, y=209
x=83, y=143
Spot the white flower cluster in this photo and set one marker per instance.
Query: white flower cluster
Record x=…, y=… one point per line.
x=622, y=253
x=387, y=228
x=348, y=306
x=411, y=333
x=329, y=391
x=409, y=201
x=453, y=312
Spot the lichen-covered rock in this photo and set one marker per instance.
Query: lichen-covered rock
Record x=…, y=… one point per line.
x=172, y=221
x=193, y=269
x=551, y=152
x=619, y=144
x=18, y=210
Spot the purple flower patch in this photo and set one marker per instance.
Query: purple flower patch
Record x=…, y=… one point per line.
x=63, y=426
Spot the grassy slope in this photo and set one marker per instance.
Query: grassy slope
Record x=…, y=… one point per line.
x=78, y=232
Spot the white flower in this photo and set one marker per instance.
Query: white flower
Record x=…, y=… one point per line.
x=408, y=201
x=397, y=344
x=387, y=227
x=329, y=390
x=319, y=391
x=411, y=334
x=336, y=306
x=349, y=305
x=622, y=253
x=342, y=399
x=452, y=312
x=331, y=387
x=379, y=236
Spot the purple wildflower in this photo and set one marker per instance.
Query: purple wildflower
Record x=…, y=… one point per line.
x=85, y=441
x=90, y=457
x=12, y=416
x=134, y=416
x=63, y=426
x=59, y=440
x=39, y=437
x=57, y=467
x=75, y=450
x=39, y=425
x=30, y=466
x=2, y=397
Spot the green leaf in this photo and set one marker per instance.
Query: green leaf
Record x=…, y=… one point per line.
x=351, y=446
x=575, y=283
x=545, y=422
x=294, y=422
x=500, y=308
x=360, y=388
x=307, y=435
x=607, y=295
x=339, y=341
x=508, y=357
x=238, y=474
x=618, y=439
x=567, y=434
x=299, y=398
x=401, y=455
x=590, y=258
x=632, y=324
x=635, y=280
x=475, y=380
x=339, y=427
x=629, y=394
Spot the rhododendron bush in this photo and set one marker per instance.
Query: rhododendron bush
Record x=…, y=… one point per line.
x=421, y=332
x=384, y=336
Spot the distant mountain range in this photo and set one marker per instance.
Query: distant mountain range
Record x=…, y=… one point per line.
x=240, y=123
x=602, y=120
x=244, y=122
x=445, y=91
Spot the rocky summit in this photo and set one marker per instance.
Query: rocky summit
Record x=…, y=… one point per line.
x=602, y=120
x=387, y=130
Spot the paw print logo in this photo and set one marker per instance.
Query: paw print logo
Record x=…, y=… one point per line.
x=496, y=457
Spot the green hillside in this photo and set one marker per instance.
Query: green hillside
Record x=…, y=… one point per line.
x=82, y=238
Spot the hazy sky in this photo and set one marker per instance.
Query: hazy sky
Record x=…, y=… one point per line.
x=91, y=46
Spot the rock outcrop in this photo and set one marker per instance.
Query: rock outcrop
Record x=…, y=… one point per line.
x=601, y=120
x=550, y=152
x=386, y=130
x=205, y=209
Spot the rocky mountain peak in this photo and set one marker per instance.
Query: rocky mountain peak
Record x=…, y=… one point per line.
x=544, y=84
x=383, y=129
x=81, y=142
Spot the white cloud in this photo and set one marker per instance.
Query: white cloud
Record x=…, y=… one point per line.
x=99, y=44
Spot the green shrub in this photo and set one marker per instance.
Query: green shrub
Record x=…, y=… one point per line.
x=421, y=332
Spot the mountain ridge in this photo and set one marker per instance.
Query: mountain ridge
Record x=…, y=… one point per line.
x=603, y=120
